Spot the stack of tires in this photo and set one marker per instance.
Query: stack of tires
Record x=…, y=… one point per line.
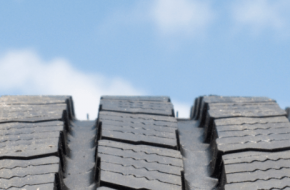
x=249, y=140
x=33, y=146
x=137, y=143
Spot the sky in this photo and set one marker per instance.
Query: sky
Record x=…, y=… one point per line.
x=178, y=48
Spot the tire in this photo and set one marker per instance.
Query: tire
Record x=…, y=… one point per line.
x=249, y=142
x=137, y=143
x=33, y=141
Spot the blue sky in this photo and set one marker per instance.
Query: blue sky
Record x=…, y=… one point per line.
x=180, y=48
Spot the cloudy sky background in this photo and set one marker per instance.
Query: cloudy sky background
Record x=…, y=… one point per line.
x=179, y=48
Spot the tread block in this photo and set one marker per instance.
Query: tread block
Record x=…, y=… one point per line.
x=252, y=130
x=22, y=128
x=39, y=100
x=222, y=109
x=159, y=139
x=211, y=100
x=140, y=129
x=236, y=138
x=142, y=172
x=140, y=134
x=133, y=166
x=138, y=98
x=252, y=111
x=254, y=170
x=249, y=141
x=24, y=140
x=155, y=126
x=142, y=152
x=247, y=111
x=32, y=113
x=138, y=118
x=130, y=106
x=250, y=121
x=235, y=99
x=33, y=100
x=267, y=185
x=140, y=182
x=43, y=173
x=32, y=146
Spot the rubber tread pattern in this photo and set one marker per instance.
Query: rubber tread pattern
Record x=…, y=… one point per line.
x=40, y=100
x=261, y=137
x=81, y=164
x=139, y=129
x=255, y=111
x=37, y=173
x=138, y=118
x=33, y=113
x=235, y=99
x=47, y=186
x=140, y=134
x=203, y=105
x=130, y=106
x=138, y=98
x=196, y=156
x=248, y=139
x=33, y=135
x=134, y=166
x=25, y=140
x=254, y=170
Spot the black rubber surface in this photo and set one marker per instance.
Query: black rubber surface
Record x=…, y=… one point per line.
x=138, y=98
x=256, y=170
x=42, y=173
x=33, y=141
x=40, y=100
x=81, y=164
x=196, y=156
x=248, y=138
x=133, y=106
x=139, y=166
x=137, y=144
x=139, y=129
x=138, y=151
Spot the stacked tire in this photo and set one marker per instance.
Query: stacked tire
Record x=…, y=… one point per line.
x=249, y=140
x=137, y=143
x=33, y=141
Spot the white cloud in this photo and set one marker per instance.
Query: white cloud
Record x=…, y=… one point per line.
x=181, y=16
x=262, y=14
x=24, y=72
